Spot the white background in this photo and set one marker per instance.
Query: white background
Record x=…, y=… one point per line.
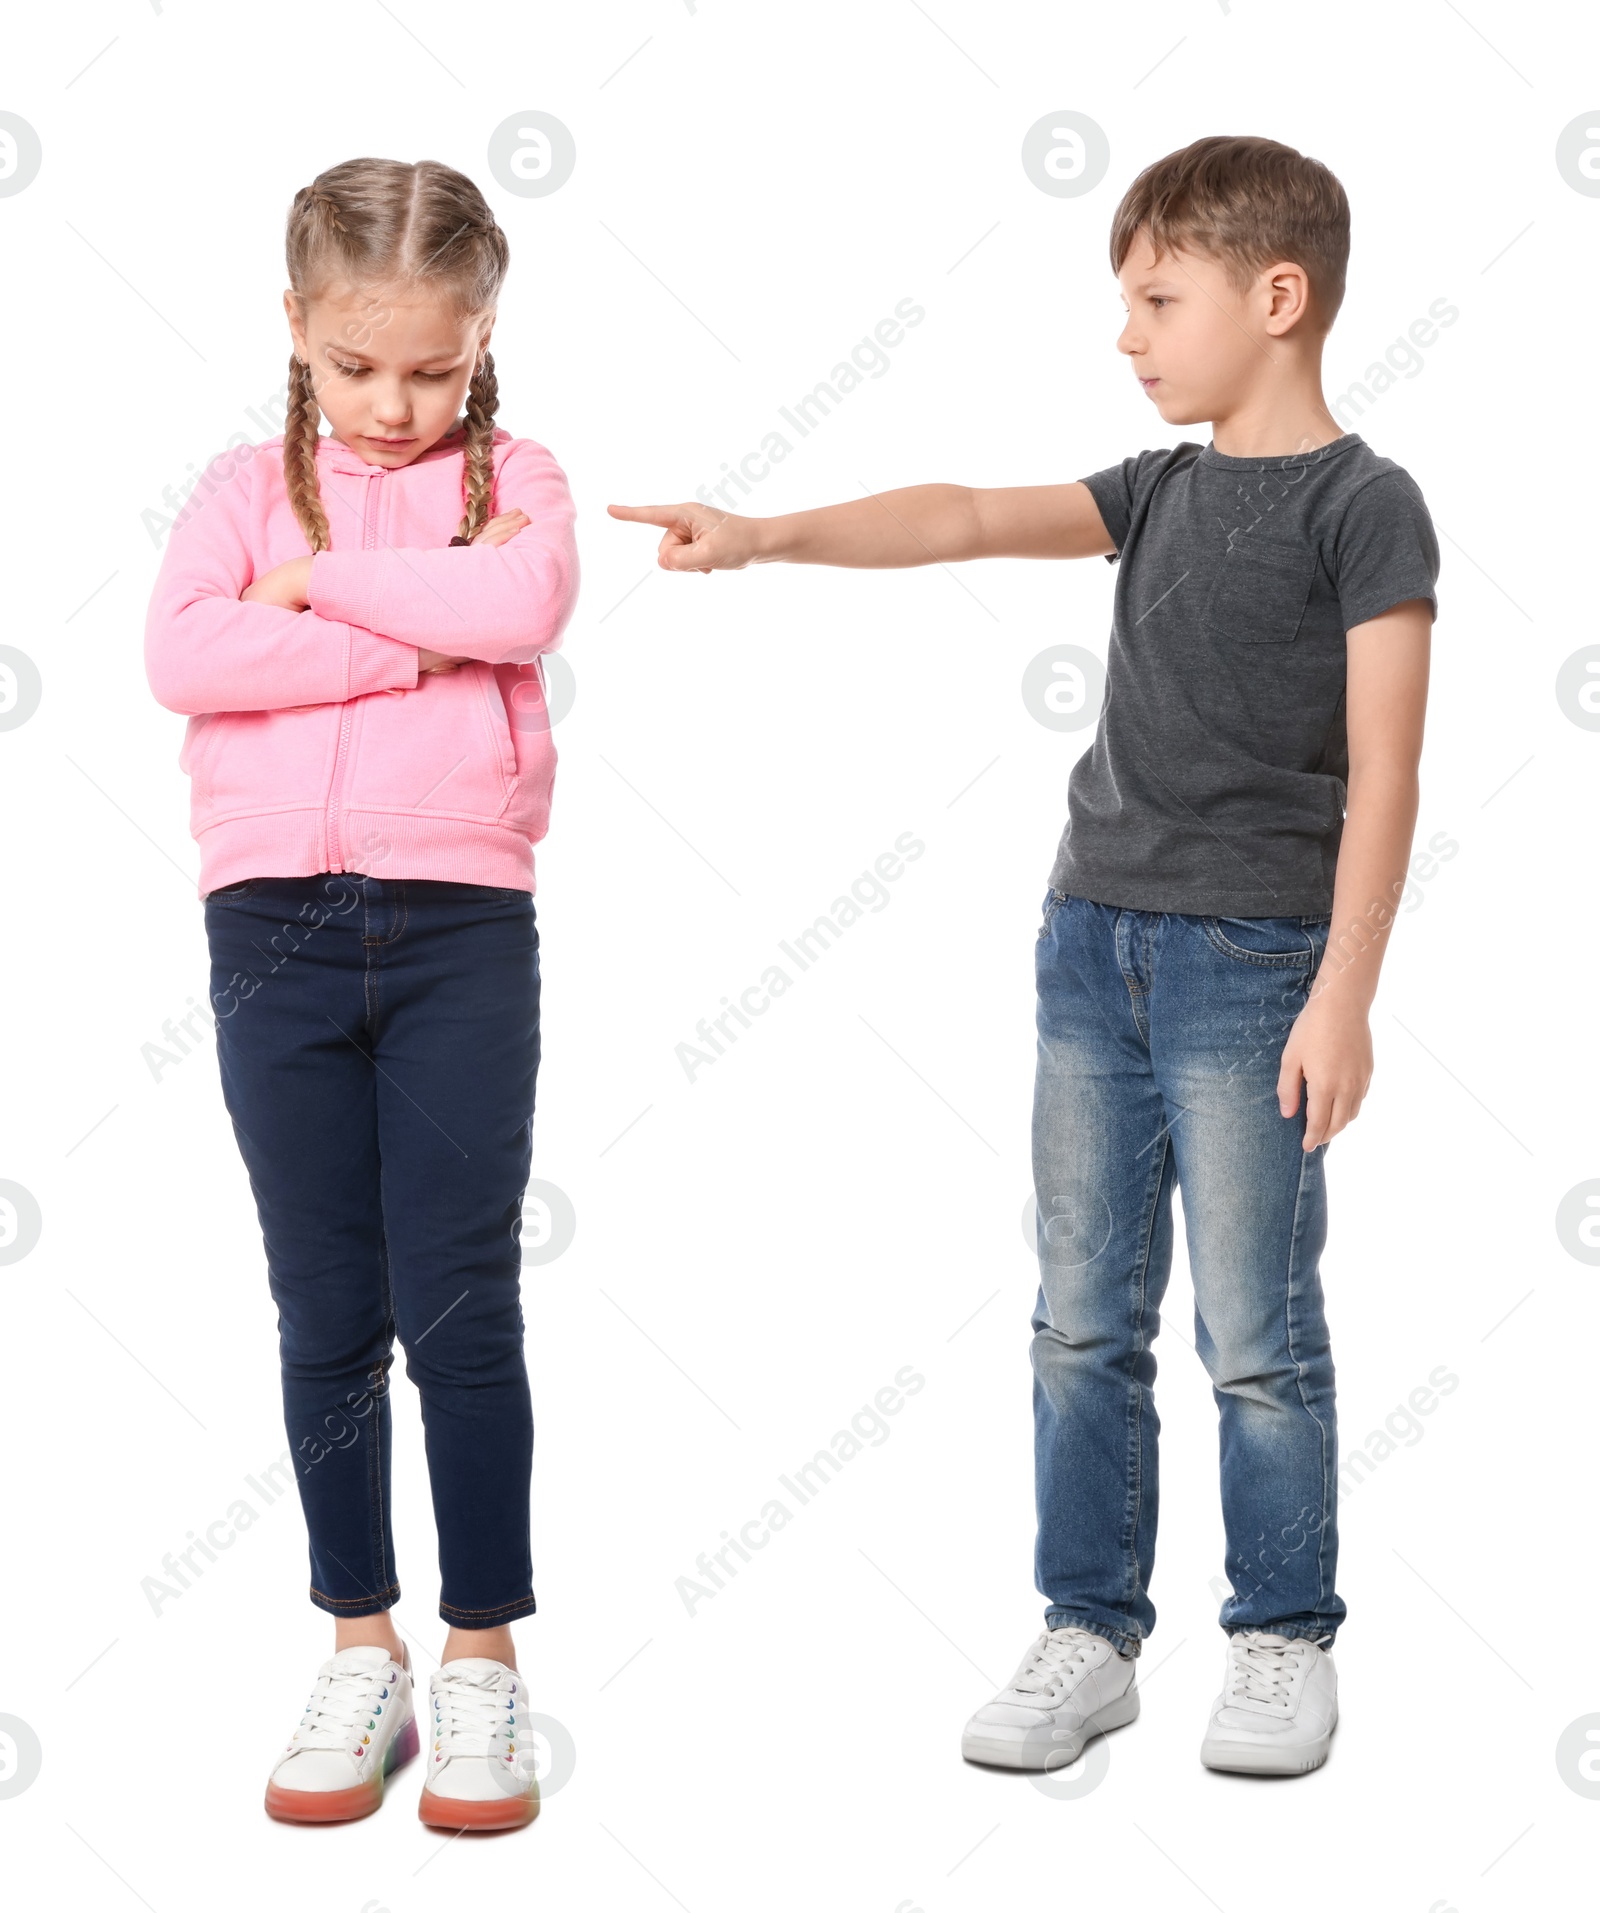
x=843, y=1193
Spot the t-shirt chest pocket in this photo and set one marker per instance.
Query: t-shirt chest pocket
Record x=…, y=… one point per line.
x=1260, y=591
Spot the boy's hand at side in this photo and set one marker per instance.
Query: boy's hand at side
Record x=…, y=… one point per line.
x=1386, y=693
x=1329, y=1051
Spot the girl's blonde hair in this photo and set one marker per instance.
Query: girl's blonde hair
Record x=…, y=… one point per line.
x=384, y=224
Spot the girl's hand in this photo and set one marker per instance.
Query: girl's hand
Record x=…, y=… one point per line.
x=501, y=527
x=288, y=585
x=698, y=537
x=1330, y=1051
x=436, y=664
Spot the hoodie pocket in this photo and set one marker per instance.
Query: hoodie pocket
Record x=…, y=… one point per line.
x=199, y=743
x=494, y=710
x=432, y=750
x=521, y=718
x=252, y=761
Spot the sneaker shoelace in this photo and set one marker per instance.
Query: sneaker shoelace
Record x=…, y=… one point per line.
x=341, y=1706
x=470, y=1716
x=1060, y=1653
x=1264, y=1667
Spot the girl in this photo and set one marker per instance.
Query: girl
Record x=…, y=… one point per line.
x=371, y=765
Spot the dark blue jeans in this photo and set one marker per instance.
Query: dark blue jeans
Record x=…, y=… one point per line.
x=379, y=1041
x=1160, y=1041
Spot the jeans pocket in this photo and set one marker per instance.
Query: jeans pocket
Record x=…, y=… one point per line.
x=230, y=893
x=1274, y=942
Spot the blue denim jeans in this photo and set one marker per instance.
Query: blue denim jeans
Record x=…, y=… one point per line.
x=378, y=1042
x=1160, y=1041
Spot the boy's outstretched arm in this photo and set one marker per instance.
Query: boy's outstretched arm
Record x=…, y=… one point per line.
x=1386, y=690
x=916, y=525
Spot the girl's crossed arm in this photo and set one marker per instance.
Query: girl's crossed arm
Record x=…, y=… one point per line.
x=336, y=625
x=500, y=602
x=289, y=585
x=209, y=647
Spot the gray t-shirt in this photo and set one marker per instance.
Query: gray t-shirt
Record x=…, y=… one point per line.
x=1215, y=785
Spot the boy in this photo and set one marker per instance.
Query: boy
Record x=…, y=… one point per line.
x=1253, y=779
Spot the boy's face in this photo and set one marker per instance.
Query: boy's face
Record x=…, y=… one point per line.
x=390, y=377
x=1197, y=344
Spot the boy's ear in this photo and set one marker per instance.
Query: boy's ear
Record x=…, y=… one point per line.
x=1287, y=288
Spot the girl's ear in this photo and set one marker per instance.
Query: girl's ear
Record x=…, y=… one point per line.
x=297, y=329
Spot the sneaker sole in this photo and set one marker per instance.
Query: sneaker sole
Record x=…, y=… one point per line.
x=1230, y=1757
x=1051, y=1756
x=484, y=1816
x=305, y=1808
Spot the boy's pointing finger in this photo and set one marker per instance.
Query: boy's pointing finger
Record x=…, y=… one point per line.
x=648, y=514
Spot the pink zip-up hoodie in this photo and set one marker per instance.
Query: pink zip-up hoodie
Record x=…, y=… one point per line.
x=313, y=743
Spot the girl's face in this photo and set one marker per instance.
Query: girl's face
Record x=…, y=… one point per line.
x=390, y=377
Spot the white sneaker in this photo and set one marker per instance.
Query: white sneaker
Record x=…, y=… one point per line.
x=1071, y=1686
x=481, y=1756
x=1278, y=1707
x=357, y=1728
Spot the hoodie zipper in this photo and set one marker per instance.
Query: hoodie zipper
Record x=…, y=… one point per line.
x=369, y=542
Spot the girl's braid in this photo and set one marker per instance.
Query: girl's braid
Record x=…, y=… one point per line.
x=483, y=399
x=300, y=455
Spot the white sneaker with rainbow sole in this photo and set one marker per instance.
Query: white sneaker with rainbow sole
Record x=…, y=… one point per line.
x=480, y=1750
x=357, y=1728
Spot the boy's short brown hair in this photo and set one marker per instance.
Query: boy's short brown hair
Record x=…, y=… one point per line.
x=1246, y=203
